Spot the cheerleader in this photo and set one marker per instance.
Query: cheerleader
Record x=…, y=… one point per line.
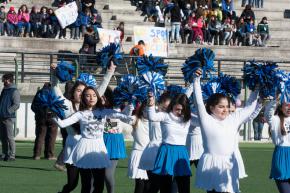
x=90, y=153
x=217, y=170
x=172, y=159
x=114, y=141
x=279, y=122
x=73, y=137
x=140, y=135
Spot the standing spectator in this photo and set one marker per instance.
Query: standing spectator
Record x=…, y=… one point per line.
x=75, y=29
x=85, y=20
x=250, y=31
x=44, y=21
x=216, y=11
x=248, y=14
x=45, y=128
x=259, y=3
x=91, y=38
x=246, y=2
x=175, y=19
x=23, y=24
x=88, y=4
x=12, y=21
x=149, y=6
x=121, y=29
x=3, y=16
x=258, y=124
x=228, y=9
x=96, y=21
x=35, y=22
x=263, y=31
x=214, y=27
x=9, y=103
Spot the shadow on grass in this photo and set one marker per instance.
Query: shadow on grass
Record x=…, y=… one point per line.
x=28, y=168
x=23, y=157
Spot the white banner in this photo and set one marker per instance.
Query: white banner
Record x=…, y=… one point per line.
x=67, y=14
x=109, y=36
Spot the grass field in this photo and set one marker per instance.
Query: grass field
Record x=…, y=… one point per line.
x=29, y=176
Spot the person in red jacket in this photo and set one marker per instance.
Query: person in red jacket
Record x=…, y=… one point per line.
x=12, y=21
x=23, y=25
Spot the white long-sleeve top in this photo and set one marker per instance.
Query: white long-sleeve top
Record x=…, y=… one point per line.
x=174, y=129
x=219, y=136
x=91, y=122
x=140, y=134
x=274, y=123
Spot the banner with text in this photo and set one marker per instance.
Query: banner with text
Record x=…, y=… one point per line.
x=155, y=38
x=67, y=14
x=109, y=36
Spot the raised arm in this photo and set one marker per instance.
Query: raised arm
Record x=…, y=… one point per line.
x=68, y=121
x=106, y=79
x=194, y=121
x=113, y=114
x=189, y=90
x=270, y=111
x=198, y=100
x=154, y=116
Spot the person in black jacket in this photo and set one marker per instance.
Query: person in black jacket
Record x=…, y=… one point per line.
x=175, y=22
x=248, y=14
x=35, y=22
x=9, y=103
x=91, y=38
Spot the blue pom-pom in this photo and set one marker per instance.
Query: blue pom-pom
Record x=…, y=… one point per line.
x=129, y=90
x=154, y=82
x=64, y=71
x=213, y=86
x=283, y=85
x=46, y=98
x=88, y=79
x=108, y=53
x=175, y=89
x=261, y=76
x=202, y=59
x=154, y=64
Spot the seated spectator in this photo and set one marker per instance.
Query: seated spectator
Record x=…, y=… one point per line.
x=3, y=16
x=250, y=31
x=12, y=21
x=197, y=24
x=96, y=21
x=91, y=38
x=227, y=31
x=35, y=22
x=85, y=19
x=263, y=31
x=233, y=41
x=248, y=14
x=215, y=30
x=151, y=12
x=55, y=30
x=121, y=29
x=228, y=9
x=45, y=21
x=23, y=24
x=241, y=32
x=139, y=49
x=186, y=29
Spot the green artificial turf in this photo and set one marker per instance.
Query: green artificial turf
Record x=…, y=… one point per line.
x=30, y=176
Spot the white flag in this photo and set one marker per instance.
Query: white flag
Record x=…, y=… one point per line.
x=67, y=14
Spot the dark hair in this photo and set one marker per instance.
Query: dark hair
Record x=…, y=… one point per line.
x=281, y=116
x=2, y=7
x=213, y=100
x=181, y=99
x=164, y=97
x=22, y=7
x=264, y=18
x=83, y=105
x=73, y=89
x=43, y=7
x=109, y=95
x=68, y=89
x=90, y=29
x=141, y=42
x=8, y=76
x=139, y=113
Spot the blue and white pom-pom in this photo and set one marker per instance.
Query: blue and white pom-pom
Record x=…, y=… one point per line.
x=108, y=53
x=203, y=59
x=283, y=82
x=150, y=63
x=129, y=90
x=211, y=87
x=64, y=71
x=88, y=79
x=47, y=98
x=154, y=82
x=261, y=76
x=175, y=90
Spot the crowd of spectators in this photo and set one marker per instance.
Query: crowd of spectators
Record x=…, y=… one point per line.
x=207, y=22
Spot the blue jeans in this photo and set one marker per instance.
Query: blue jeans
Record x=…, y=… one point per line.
x=11, y=29
x=25, y=25
x=35, y=28
x=175, y=29
x=2, y=29
x=260, y=3
x=258, y=128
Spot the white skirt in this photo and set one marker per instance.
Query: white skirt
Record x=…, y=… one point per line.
x=133, y=166
x=70, y=144
x=149, y=156
x=90, y=154
x=241, y=166
x=194, y=146
x=219, y=173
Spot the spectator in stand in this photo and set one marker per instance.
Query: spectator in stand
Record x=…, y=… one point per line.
x=227, y=31
x=12, y=21
x=91, y=38
x=259, y=3
x=45, y=21
x=175, y=20
x=3, y=16
x=215, y=30
x=35, y=22
x=151, y=12
x=75, y=28
x=23, y=24
x=248, y=14
x=258, y=124
x=186, y=29
x=197, y=24
x=263, y=31
x=88, y=4
x=250, y=31
x=228, y=9
x=139, y=49
x=85, y=20
x=241, y=33
x=96, y=21
x=233, y=41
x=121, y=29
x=246, y=2
x=45, y=128
x=217, y=12
x=205, y=31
